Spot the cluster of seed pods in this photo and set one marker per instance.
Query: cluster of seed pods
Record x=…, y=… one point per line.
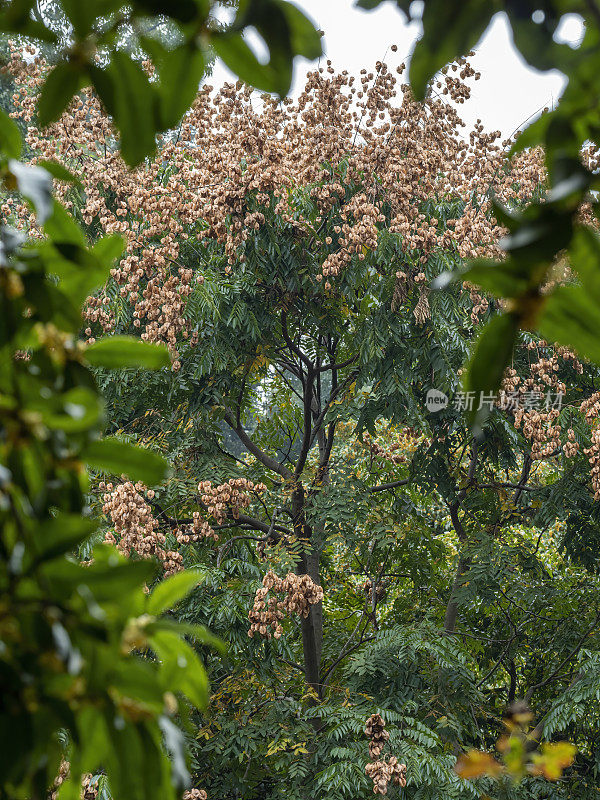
x=382, y=770
x=297, y=593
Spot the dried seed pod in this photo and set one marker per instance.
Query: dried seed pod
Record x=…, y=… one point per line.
x=299, y=593
x=382, y=770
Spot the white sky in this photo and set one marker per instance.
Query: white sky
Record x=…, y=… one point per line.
x=508, y=93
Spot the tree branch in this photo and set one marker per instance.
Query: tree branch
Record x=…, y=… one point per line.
x=527, y=463
x=226, y=545
x=307, y=436
x=384, y=487
x=265, y=459
x=343, y=364
x=343, y=655
x=294, y=347
x=236, y=522
x=564, y=662
x=319, y=421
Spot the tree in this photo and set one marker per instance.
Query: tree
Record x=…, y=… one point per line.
x=72, y=633
x=91, y=36
x=547, y=229
x=284, y=257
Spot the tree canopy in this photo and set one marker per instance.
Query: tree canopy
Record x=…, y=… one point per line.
x=384, y=576
x=546, y=229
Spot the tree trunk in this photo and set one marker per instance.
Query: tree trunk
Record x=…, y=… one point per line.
x=316, y=611
x=311, y=646
x=463, y=562
x=312, y=626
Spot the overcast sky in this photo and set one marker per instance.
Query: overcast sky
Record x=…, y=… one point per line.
x=508, y=93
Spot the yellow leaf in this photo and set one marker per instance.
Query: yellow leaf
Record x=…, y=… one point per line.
x=554, y=758
x=475, y=763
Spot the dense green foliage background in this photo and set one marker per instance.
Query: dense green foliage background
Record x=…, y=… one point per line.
x=528, y=610
x=458, y=575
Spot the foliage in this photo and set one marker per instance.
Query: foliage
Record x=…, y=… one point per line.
x=72, y=634
x=284, y=256
x=547, y=229
x=520, y=753
x=142, y=107
x=456, y=575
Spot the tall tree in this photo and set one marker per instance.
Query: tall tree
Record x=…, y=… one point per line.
x=569, y=134
x=285, y=256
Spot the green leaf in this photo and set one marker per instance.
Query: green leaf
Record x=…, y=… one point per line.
x=10, y=136
x=113, y=352
x=570, y=181
x=94, y=735
x=126, y=761
x=109, y=579
x=134, y=108
x=78, y=410
x=182, y=10
x=500, y=278
x=240, y=59
x=537, y=240
x=57, y=92
x=109, y=249
x=54, y=305
x=60, y=172
x=181, y=668
x=157, y=767
x=104, y=83
x=61, y=535
x=16, y=17
x=137, y=678
x=61, y=228
x=77, y=267
x=584, y=258
x=490, y=358
x=535, y=40
x=116, y=457
x=170, y=591
x=83, y=15
x=180, y=73
x=286, y=31
x=199, y=633
x=450, y=30
x=304, y=37
x=571, y=317
x=532, y=135
x=36, y=185
x=369, y=5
